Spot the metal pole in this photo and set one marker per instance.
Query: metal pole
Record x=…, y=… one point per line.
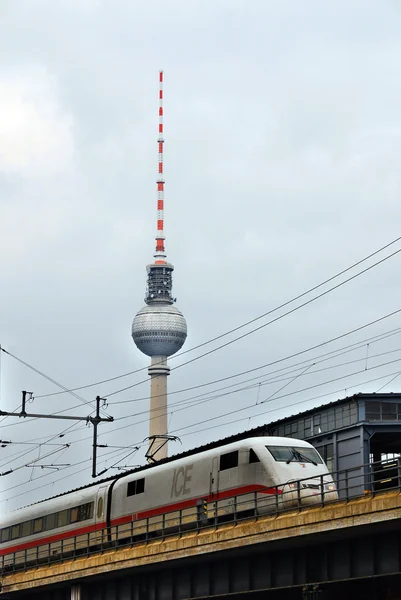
x=95, y=423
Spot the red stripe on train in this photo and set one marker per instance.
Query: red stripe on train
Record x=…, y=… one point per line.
x=192, y=502
x=51, y=539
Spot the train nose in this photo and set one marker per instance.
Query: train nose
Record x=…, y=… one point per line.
x=311, y=491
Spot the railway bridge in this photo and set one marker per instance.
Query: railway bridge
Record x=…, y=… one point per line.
x=348, y=549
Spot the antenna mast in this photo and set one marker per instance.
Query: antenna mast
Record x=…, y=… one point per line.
x=160, y=250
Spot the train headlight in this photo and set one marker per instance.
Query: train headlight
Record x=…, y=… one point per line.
x=331, y=487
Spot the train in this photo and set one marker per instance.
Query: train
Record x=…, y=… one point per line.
x=253, y=475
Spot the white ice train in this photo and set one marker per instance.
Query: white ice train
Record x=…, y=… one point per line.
x=258, y=473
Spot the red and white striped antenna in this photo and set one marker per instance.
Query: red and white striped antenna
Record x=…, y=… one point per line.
x=160, y=255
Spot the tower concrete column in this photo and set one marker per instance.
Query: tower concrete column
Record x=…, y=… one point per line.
x=158, y=372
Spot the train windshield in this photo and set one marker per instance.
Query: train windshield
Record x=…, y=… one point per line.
x=293, y=454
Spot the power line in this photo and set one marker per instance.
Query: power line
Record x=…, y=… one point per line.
x=317, y=359
x=273, y=410
x=265, y=324
x=206, y=396
x=47, y=377
x=378, y=337
x=351, y=347
x=291, y=355
x=191, y=433
x=263, y=401
x=283, y=305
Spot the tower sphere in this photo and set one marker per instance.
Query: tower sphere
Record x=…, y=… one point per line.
x=159, y=330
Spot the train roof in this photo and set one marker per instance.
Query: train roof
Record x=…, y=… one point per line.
x=193, y=452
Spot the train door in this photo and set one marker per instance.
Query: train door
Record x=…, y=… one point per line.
x=100, y=515
x=101, y=502
x=214, y=477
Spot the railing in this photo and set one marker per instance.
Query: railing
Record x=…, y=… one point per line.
x=367, y=479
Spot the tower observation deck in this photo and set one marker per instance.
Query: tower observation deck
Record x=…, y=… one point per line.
x=159, y=329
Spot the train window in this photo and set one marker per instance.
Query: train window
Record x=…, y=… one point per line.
x=293, y=454
x=86, y=511
x=38, y=525
x=136, y=487
x=253, y=457
x=74, y=515
x=280, y=453
x=51, y=521
x=229, y=460
x=15, y=532
x=26, y=529
x=5, y=534
x=100, y=507
x=82, y=512
x=63, y=518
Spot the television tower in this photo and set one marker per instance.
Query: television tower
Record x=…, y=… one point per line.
x=159, y=328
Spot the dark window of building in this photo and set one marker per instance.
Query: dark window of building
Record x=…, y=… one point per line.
x=327, y=453
x=136, y=487
x=389, y=411
x=308, y=430
x=339, y=417
x=316, y=425
x=346, y=416
x=323, y=422
x=294, y=427
x=229, y=460
x=253, y=458
x=373, y=411
x=330, y=420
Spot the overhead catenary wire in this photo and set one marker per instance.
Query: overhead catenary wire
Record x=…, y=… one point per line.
x=332, y=354
x=35, y=370
x=266, y=400
x=362, y=343
x=288, y=357
x=244, y=335
x=248, y=333
x=209, y=428
x=323, y=357
x=213, y=395
x=233, y=330
x=273, y=410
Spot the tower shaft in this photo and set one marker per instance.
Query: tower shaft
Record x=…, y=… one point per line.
x=158, y=373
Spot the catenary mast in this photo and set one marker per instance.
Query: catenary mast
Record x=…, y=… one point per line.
x=159, y=328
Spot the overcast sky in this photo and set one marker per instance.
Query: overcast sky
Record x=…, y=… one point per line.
x=282, y=154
